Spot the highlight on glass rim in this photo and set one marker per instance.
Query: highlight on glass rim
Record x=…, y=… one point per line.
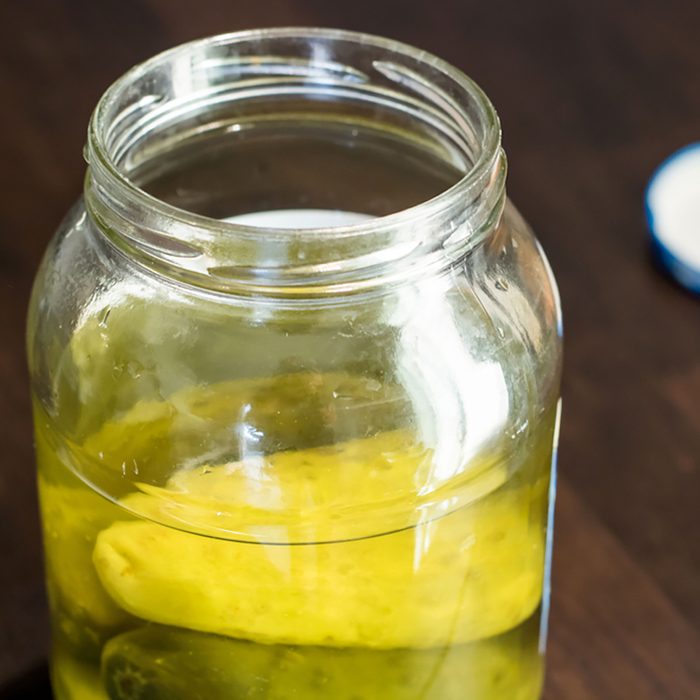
x=295, y=363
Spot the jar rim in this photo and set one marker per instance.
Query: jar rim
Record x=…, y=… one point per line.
x=481, y=173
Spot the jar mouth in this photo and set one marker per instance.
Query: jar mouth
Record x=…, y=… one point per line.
x=136, y=122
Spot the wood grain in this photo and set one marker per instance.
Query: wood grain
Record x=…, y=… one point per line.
x=592, y=95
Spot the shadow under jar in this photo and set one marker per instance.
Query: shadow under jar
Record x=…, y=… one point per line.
x=295, y=365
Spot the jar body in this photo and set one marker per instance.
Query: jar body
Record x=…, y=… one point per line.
x=324, y=497
x=350, y=498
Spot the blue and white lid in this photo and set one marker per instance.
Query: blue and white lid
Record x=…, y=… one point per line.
x=673, y=214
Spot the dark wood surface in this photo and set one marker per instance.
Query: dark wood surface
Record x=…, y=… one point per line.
x=592, y=95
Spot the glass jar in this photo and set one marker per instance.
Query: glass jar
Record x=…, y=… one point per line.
x=295, y=364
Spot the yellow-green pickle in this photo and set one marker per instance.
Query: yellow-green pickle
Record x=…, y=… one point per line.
x=285, y=461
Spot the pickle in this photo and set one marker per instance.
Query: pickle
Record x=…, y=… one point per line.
x=73, y=680
x=470, y=574
x=72, y=520
x=84, y=615
x=164, y=663
x=352, y=489
x=117, y=358
x=229, y=420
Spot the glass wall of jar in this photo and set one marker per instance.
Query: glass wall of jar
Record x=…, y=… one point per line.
x=295, y=364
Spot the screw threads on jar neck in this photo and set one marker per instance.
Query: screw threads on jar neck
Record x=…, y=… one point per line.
x=294, y=119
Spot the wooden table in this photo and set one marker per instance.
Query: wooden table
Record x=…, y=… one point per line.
x=592, y=95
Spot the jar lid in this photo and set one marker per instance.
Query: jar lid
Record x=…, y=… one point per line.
x=672, y=203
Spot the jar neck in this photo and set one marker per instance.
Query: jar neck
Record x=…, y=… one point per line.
x=295, y=111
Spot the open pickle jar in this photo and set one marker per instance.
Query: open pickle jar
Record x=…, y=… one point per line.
x=295, y=367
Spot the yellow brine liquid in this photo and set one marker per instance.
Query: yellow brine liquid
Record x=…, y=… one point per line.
x=300, y=573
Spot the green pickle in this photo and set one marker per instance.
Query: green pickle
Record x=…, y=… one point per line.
x=75, y=679
x=165, y=663
x=84, y=615
x=308, y=567
x=480, y=574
